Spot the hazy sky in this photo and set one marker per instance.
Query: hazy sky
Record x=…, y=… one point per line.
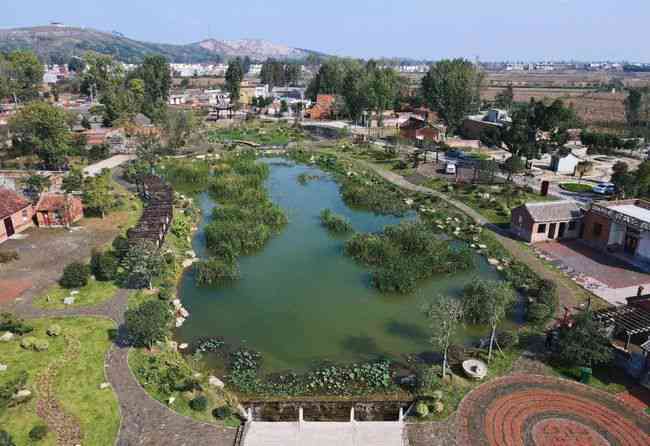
x=431, y=29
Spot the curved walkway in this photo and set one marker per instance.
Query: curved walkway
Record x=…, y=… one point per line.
x=565, y=293
x=522, y=410
x=144, y=421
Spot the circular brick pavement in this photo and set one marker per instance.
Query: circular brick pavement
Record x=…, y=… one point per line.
x=534, y=410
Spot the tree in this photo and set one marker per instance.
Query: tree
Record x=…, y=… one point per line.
x=583, y=168
x=73, y=181
x=234, y=76
x=21, y=74
x=156, y=74
x=505, y=98
x=98, y=193
x=103, y=265
x=178, y=128
x=75, y=275
x=452, y=89
x=445, y=317
x=103, y=74
x=584, y=343
x=76, y=64
x=513, y=166
x=5, y=438
x=141, y=264
x=99, y=152
x=43, y=129
x=149, y=150
x=148, y=323
x=486, y=302
x=36, y=184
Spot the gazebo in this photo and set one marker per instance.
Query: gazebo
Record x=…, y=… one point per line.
x=631, y=320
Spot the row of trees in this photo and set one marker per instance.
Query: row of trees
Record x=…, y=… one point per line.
x=279, y=74
x=362, y=87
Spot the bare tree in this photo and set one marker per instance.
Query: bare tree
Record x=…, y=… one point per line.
x=445, y=316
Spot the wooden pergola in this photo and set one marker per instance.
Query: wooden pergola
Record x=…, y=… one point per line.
x=629, y=319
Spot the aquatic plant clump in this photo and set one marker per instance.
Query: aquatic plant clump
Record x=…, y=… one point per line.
x=335, y=223
x=215, y=270
x=406, y=253
x=246, y=219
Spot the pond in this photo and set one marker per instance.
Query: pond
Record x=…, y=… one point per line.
x=301, y=300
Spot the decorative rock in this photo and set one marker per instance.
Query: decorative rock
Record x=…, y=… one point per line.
x=173, y=345
x=3, y=367
x=190, y=254
x=482, y=246
x=22, y=395
x=180, y=321
x=438, y=407
x=183, y=346
x=183, y=312
x=409, y=201
x=493, y=262
x=103, y=386
x=437, y=394
x=68, y=300
x=74, y=293
x=171, y=400
x=8, y=336
x=176, y=303
x=54, y=330
x=216, y=382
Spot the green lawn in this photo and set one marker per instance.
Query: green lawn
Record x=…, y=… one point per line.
x=78, y=355
x=576, y=187
x=274, y=135
x=609, y=379
x=92, y=294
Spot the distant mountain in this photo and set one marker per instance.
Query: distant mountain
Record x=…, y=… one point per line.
x=256, y=49
x=57, y=43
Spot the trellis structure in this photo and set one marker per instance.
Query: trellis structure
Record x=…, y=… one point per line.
x=630, y=319
x=158, y=213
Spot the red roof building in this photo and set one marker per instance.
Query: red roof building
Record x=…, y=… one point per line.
x=15, y=213
x=324, y=107
x=57, y=210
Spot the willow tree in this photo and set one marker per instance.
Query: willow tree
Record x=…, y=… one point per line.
x=445, y=316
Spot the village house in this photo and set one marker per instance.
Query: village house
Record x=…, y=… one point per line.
x=475, y=126
x=324, y=107
x=15, y=213
x=621, y=226
x=58, y=210
x=416, y=129
x=250, y=90
x=565, y=162
x=541, y=222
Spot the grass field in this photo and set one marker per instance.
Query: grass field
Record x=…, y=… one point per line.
x=92, y=294
x=576, y=187
x=273, y=135
x=76, y=361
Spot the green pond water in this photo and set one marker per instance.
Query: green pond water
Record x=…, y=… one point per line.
x=301, y=300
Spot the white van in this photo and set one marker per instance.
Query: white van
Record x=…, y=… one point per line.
x=450, y=169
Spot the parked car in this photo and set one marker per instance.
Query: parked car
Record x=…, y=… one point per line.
x=604, y=189
x=450, y=169
x=453, y=153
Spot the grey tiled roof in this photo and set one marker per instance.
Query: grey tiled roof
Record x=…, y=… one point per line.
x=554, y=211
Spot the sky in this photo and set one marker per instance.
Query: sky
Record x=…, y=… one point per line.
x=491, y=30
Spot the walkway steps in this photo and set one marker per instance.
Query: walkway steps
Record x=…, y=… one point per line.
x=367, y=433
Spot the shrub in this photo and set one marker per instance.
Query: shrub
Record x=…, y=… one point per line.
x=54, y=330
x=199, y=404
x=427, y=380
x=40, y=345
x=28, y=342
x=120, y=246
x=8, y=256
x=38, y=432
x=75, y=275
x=5, y=439
x=9, y=322
x=422, y=409
x=104, y=265
x=222, y=412
x=148, y=323
x=335, y=223
x=508, y=339
x=9, y=389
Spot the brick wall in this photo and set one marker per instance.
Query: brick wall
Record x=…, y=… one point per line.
x=590, y=222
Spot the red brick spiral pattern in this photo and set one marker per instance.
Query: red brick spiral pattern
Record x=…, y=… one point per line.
x=530, y=410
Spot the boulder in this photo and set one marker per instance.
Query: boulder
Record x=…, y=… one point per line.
x=54, y=330
x=171, y=400
x=74, y=293
x=3, y=367
x=183, y=346
x=216, y=382
x=184, y=313
x=493, y=262
x=176, y=303
x=22, y=395
x=103, y=386
x=438, y=407
x=180, y=321
x=68, y=300
x=8, y=336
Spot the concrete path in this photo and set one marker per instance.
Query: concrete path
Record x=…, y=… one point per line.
x=305, y=433
x=110, y=163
